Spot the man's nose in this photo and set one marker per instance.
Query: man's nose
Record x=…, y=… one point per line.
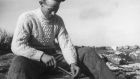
x=53, y=13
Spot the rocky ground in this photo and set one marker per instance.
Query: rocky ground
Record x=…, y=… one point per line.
x=5, y=61
x=123, y=61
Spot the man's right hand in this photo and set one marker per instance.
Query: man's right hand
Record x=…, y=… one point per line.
x=48, y=60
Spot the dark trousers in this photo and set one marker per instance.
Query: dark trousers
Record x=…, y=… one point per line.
x=90, y=64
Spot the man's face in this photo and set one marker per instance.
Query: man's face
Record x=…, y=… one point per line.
x=50, y=7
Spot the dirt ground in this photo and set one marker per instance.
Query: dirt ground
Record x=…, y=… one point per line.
x=119, y=64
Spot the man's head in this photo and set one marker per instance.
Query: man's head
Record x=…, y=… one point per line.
x=50, y=7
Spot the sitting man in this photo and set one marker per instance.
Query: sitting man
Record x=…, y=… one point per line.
x=34, y=44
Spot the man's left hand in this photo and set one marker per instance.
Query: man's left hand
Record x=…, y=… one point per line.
x=75, y=70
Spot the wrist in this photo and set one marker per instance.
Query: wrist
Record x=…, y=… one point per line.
x=41, y=57
x=73, y=64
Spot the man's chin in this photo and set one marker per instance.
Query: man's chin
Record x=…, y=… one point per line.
x=51, y=16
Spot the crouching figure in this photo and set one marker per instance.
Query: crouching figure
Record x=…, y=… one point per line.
x=34, y=43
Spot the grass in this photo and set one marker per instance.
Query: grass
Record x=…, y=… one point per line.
x=5, y=40
x=6, y=55
x=5, y=48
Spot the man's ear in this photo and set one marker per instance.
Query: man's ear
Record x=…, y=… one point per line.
x=41, y=3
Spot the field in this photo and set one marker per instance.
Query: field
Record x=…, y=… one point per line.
x=123, y=61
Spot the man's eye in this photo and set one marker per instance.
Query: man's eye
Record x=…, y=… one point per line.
x=49, y=9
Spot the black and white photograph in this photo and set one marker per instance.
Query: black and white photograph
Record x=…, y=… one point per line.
x=69, y=39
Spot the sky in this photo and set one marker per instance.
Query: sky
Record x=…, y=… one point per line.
x=89, y=22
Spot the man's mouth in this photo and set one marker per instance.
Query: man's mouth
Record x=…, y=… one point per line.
x=53, y=13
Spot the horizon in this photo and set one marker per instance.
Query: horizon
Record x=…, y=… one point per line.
x=89, y=22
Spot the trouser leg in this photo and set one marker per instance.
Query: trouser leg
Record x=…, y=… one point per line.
x=24, y=68
x=92, y=64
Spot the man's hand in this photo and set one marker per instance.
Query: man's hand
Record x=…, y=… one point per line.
x=75, y=70
x=48, y=60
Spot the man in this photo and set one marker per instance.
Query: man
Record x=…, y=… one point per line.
x=34, y=43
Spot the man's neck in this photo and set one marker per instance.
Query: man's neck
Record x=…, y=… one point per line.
x=45, y=13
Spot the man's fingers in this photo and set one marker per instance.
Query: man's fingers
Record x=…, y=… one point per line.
x=48, y=63
x=75, y=71
x=72, y=71
x=51, y=63
x=54, y=62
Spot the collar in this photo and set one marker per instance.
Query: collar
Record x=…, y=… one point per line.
x=41, y=16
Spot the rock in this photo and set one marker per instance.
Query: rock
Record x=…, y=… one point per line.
x=124, y=71
x=135, y=56
x=2, y=76
x=5, y=61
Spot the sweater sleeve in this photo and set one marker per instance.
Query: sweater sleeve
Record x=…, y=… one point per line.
x=66, y=46
x=20, y=45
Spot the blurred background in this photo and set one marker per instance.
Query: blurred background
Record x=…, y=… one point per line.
x=89, y=22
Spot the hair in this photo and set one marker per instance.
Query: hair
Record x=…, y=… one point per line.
x=55, y=0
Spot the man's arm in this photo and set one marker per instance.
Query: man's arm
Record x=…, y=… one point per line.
x=68, y=49
x=65, y=44
x=20, y=45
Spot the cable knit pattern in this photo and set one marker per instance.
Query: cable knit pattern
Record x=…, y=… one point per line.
x=35, y=33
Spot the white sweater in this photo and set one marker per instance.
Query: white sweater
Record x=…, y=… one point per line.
x=34, y=33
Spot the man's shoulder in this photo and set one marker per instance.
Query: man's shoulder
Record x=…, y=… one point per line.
x=27, y=15
x=58, y=17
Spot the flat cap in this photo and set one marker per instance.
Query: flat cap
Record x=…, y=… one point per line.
x=60, y=0
x=55, y=0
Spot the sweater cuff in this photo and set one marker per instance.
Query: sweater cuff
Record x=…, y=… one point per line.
x=41, y=57
x=72, y=62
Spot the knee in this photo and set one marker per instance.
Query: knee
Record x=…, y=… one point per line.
x=19, y=63
x=86, y=52
x=20, y=60
x=85, y=49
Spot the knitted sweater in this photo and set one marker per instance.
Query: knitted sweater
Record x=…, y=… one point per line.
x=35, y=33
